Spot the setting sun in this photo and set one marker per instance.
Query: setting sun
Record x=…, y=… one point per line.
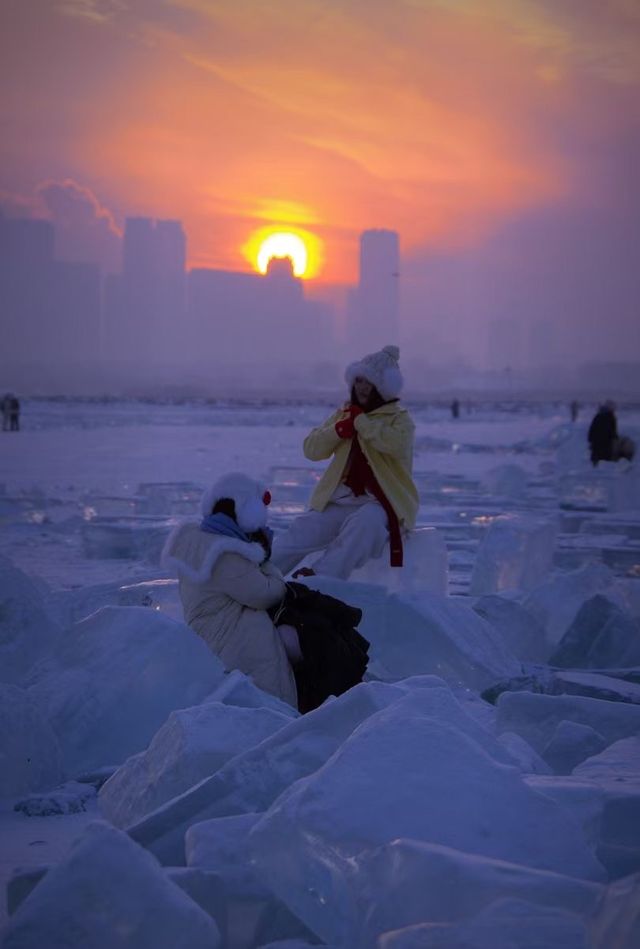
x=303, y=248
x=284, y=245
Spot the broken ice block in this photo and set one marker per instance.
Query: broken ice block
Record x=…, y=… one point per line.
x=424, y=568
x=516, y=553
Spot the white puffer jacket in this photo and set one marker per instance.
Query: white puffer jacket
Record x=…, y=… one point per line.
x=225, y=590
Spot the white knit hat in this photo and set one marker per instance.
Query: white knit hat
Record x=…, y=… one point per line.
x=250, y=497
x=381, y=370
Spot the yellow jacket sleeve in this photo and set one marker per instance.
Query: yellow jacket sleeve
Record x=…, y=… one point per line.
x=321, y=442
x=388, y=434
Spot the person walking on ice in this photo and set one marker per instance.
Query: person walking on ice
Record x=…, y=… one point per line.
x=367, y=495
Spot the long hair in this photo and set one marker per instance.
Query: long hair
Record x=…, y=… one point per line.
x=374, y=401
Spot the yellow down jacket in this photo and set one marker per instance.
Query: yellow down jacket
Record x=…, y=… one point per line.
x=386, y=437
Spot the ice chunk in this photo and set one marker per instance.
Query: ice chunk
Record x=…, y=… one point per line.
x=570, y=744
x=536, y=717
x=250, y=782
x=160, y=594
x=28, y=631
x=616, y=771
x=168, y=497
x=522, y=633
x=594, y=685
x=601, y=635
x=114, y=680
x=432, y=783
x=407, y=882
x=521, y=751
x=556, y=602
x=70, y=798
x=238, y=689
x=206, y=889
x=221, y=845
x=191, y=745
x=506, y=480
x=135, y=538
x=515, y=923
x=424, y=634
x=516, y=553
x=586, y=489
x=582, y=800
x=424, y=567
x=108, y=893
x=30, y=757
x=616, y=922
x=624, y=488
x=620, y=762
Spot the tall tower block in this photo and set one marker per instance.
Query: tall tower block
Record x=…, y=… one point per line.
x=374, y=317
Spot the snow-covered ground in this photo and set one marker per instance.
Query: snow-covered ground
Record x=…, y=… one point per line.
x=408, y=813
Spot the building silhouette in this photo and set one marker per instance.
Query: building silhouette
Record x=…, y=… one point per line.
x=373, y=305
x=140, y=325
x=145, y=304
x=50, y=308
x=250, y=319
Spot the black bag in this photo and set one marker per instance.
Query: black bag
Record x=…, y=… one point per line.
x=334, y=653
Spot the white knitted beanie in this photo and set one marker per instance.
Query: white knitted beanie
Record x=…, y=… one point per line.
x=251, y=499
x=381, y=370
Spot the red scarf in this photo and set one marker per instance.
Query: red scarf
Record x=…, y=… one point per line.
x=360, y=478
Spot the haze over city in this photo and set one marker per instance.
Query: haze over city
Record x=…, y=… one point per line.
x=496, y=144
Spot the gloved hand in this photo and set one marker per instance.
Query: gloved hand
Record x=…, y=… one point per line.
x=345, y=428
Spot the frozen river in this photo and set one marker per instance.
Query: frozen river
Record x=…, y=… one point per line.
x=88, y=488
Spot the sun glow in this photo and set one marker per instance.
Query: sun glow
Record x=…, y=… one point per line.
x=284, y=245
x=303, y=249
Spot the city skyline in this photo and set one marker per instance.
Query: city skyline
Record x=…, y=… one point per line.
x=498, y=138
x=155, y=322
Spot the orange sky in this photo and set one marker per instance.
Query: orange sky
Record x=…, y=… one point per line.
x=438, y=118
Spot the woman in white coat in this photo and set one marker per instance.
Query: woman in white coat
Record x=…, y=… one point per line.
x=227, y=584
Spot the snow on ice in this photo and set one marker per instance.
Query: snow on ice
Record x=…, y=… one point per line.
x=480, y=789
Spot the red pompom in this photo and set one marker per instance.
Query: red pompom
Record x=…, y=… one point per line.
x=266, y=498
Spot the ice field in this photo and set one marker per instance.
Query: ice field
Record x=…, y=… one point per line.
x=481, y=789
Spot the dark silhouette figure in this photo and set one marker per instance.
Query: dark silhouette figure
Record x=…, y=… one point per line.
x=5, y=404
x=14, y=414
x=574, y=408
x=455, y=409
x=603, y=434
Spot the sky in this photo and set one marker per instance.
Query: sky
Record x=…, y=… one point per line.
x=500, y=138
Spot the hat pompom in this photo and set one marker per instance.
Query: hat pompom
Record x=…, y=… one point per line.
x=393, y=352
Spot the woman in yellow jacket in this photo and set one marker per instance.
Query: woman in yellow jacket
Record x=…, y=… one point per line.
x=367, y=494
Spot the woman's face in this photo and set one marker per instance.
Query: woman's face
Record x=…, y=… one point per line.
x=363, y=389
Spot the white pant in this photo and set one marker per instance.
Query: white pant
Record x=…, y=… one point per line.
x=349, y=534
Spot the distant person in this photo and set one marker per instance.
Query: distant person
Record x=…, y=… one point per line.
x=14, y=414
x=455, y=409
x=5, y=404
x=574, y=408
x=603, y=434
x=367, y=494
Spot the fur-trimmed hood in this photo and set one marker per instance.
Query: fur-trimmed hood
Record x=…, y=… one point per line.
x=191, y=553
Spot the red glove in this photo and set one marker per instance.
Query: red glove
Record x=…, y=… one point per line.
x=344, y=428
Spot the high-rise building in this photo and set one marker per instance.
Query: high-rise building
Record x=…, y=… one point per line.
x=373, y=313
x=145, y=306
x=50, y=308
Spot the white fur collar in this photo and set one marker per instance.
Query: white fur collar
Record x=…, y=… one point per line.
x=187, y=553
